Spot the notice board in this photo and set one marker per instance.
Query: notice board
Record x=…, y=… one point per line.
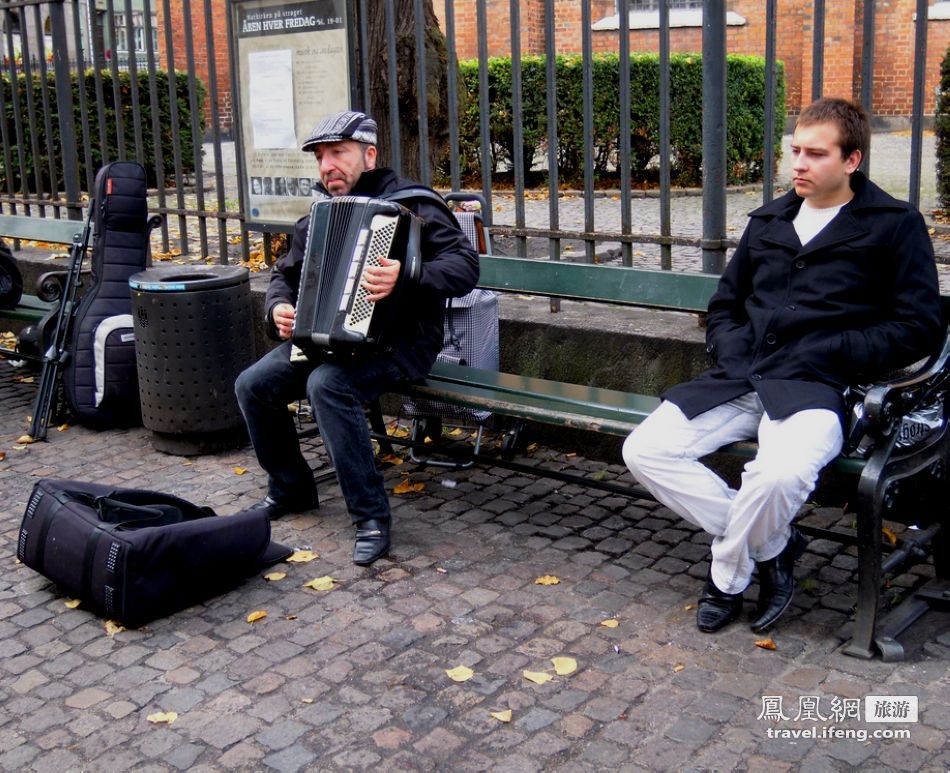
x=292, y=65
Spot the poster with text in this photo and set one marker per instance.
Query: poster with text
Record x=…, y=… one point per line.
x=293, y=69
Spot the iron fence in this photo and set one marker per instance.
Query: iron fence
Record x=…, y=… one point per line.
x=196, y=193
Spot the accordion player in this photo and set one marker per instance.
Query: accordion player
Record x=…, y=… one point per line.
x=347, y=235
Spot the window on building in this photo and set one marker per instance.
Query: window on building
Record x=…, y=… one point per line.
x=654, y=5
x=138, y=32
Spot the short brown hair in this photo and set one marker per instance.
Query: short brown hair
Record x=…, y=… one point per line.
x=853, y=125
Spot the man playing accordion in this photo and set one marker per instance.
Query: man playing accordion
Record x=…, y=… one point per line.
x=337, y=386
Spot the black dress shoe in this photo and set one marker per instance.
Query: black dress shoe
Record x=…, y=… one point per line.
x=372, y=541
x=276, y=509
x=716, y=609
x=777, y=582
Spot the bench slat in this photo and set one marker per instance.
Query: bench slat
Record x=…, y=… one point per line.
x=43, y=229
x=29, y=309
x=674, y=290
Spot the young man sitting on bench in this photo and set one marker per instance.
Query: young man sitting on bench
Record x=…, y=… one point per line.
x=832, y=284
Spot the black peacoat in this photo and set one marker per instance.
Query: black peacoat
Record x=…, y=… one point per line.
x=799, y=324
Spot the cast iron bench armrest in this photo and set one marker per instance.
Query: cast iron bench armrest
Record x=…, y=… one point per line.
x=885, y=403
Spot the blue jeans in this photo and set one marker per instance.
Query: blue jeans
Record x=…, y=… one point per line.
x=337, y=391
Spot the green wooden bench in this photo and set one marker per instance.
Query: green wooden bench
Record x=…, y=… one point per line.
x=34, y=308
x=901, y=486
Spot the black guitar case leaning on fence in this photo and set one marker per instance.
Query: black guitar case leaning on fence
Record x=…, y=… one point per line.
x=99, y=379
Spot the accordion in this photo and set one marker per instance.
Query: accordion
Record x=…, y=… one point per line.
x=347, y=235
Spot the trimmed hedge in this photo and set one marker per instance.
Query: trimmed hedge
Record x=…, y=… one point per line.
x=745, y=95
x=942, y=129
x=87, y=81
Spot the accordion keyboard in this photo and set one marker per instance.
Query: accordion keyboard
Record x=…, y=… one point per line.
x=380, y=236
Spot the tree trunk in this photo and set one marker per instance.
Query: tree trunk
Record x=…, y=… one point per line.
x=406, y=96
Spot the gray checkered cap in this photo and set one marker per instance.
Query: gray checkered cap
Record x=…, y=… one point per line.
x=348, y=125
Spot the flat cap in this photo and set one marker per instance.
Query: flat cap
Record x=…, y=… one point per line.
x=348, y=125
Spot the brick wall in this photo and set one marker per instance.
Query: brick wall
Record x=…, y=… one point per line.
x=176, y=25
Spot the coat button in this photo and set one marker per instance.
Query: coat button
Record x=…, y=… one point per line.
x=709, y=348
x=791, y=307
x=770, y=338
x=799, y=263
x=756, y=376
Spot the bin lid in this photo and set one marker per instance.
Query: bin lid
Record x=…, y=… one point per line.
x=165, y=279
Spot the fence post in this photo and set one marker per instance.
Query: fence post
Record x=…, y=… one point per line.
x=64, y=107
x=714, y=136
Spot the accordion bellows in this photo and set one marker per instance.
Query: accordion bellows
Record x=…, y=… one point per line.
x=347, y=235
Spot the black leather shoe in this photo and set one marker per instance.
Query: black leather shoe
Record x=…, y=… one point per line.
x=716, y=609
x=777, y=582
x=372, y=541
x=276, y=509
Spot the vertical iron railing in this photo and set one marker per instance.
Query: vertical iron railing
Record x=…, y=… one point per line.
x=666, y=226
x=714, y=136
x=517, y=153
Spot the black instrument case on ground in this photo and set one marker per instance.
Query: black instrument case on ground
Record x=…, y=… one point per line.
x=134, y=555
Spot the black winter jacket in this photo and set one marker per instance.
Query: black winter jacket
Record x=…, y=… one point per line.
x=799, y=324
x=449, y=269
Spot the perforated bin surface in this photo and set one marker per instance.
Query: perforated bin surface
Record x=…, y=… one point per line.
x=193, y=336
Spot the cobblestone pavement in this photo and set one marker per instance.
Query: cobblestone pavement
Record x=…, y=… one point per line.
x=355, y=677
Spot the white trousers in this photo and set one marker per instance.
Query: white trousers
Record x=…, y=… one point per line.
x=753, y=523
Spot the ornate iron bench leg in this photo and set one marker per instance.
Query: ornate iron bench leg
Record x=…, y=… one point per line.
x=871, y=493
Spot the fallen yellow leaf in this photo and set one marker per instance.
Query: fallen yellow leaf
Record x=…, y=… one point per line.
x=275, y=576
x=548, y=579
x=306, y=700
x=455, y=432
x=240, y=470
x=162, y=717
x=321, y=583
x=502, y=716
x=564, y=666
x=302, y=557
x=677, y=669
x=888, y=535
x=538, y=677
x=688, y=607
x=766, y=644
x=407, y=487
x=610, y=623
x=440, y=570
x=112, y=627
x=72, y=603
x=62, y=428
x=255, y=616
x=24, y=440
x=460, y=673
x=392, y=459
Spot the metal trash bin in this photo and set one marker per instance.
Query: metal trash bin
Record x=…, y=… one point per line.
x=193, y=336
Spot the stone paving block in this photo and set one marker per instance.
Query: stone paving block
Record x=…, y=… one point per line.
x=288, y=760
x=87, y=698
